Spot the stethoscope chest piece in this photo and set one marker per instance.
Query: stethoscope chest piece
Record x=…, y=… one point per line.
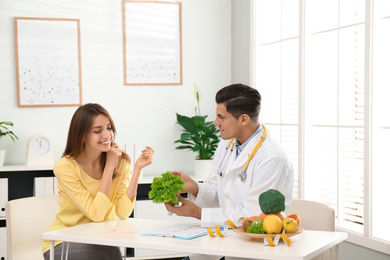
x=242, y=175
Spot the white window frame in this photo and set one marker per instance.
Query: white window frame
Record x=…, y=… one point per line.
x=365, y=239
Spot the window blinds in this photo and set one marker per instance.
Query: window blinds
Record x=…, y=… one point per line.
x=332, y=93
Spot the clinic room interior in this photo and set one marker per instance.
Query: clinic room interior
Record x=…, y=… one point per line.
x=319, y=65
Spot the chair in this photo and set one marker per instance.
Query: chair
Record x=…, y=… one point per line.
x=27, y=219
x=315, y=216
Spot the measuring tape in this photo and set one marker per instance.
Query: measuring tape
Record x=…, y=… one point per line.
x=221, y=233
x=267, y=240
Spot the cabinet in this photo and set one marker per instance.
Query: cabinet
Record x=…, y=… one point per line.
x=3, y=196
x=18, y=181
x=45, y=186
x=3, y=200
x=3, y=246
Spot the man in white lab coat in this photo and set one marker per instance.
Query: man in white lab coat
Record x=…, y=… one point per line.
x=229, y=194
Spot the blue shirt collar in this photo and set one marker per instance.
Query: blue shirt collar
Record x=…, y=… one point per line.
x=240, y=147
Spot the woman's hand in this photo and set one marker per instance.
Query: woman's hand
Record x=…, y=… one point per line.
x=113, y=156
x=112, y=159
x=145, y=159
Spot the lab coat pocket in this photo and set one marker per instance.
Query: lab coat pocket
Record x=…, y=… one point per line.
x=243, y=187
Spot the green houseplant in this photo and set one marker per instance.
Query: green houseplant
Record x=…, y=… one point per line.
x=198, y=135
x=4, y=131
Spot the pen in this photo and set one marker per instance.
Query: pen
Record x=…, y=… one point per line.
x=165, y=235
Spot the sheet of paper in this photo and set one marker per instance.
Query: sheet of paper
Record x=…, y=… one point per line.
x=179, y=231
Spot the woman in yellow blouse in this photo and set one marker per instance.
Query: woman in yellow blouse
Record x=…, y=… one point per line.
x=94, y=180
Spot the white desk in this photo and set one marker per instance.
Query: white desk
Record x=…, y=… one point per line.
x=304, y=246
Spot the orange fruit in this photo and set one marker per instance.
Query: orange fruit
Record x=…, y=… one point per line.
x=251, y=218
x=254, y=217
x=296, y=217
x=279, y=214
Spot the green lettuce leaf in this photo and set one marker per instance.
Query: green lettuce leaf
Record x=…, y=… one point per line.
x=165, y=188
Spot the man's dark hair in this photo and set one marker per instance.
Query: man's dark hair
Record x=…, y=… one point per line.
x=240, y=99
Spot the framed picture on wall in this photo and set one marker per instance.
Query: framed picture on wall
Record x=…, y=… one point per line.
x=48, y=63
x=152, y=43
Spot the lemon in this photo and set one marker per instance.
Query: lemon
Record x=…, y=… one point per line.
x=272, y=225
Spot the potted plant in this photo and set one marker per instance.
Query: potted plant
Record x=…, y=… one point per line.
x=4, y=131
x=199, y=136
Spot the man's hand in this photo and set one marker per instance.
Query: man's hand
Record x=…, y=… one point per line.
x=186, y=209
x=190, y=184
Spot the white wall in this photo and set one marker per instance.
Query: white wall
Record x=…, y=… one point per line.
x=241, y=17
x=142, y=114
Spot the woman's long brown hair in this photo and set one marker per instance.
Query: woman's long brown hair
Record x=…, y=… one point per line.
x=81, y=125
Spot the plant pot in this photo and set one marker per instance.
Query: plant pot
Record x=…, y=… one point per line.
x=203, y=167
x=2, y=157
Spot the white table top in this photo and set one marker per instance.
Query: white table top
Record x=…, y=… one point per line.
x=304, y=246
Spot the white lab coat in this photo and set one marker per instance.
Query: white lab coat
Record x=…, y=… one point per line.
x=227, y=197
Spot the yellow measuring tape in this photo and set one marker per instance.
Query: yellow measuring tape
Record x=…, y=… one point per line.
x=269, y=242
x=258, y=145
x=221, y=233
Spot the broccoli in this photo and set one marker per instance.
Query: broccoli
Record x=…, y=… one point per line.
x=272, y=201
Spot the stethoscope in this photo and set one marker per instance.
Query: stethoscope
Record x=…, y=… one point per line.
x=242, y=174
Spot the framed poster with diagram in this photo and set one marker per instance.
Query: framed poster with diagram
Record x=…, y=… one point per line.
x=48, y=64
x=152, y=43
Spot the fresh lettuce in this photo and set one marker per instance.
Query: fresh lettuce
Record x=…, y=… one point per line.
x=165, y=188
x=256, y=228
